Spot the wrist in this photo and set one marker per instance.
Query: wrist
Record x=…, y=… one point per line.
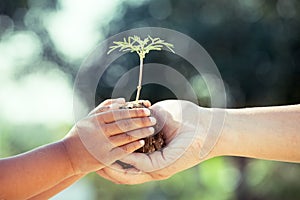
x=216, y=141
x=81, y=160
x=231, y=142
x=64, y=143
x=207, y=133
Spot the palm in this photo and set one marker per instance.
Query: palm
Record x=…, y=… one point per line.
x=178, y=126
x=182, y=127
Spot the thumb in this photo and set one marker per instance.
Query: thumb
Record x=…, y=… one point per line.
x=146, y=162
x=139, y=160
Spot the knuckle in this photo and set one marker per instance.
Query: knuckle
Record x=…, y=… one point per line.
x=106, y=101
x=145, y=132
x=129, y=137
x=139, y=112
x=129, y=148
x=122, y=113
x=145, y=121
x=115, y=140
x=103, y=115
x=126, y=148
x=135, y=112
x=135, y=145
x=105, y=128
x=102, y=109
x=126, y=124
x=115, y=115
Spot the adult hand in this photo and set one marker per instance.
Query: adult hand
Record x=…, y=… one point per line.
x=185, y=127
x=270, y=133
x=106, y=135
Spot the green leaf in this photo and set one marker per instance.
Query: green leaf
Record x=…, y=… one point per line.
x=141, y=47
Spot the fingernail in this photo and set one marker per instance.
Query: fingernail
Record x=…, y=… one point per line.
x=142, y=142
x=146, y=111
x=151, y=130
x=153, y=120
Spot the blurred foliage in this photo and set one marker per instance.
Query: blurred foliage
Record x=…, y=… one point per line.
x=255, y=44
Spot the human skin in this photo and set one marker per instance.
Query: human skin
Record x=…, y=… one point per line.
x=270, y=133
x=29, y=174
x=110, y=104
x=245, y=133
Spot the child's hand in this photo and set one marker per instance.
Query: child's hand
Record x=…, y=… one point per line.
x=106, y=135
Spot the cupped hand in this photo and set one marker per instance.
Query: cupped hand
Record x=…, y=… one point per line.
x=185, y=126
x=106, y=135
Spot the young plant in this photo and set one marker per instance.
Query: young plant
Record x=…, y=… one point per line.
x=141, y=47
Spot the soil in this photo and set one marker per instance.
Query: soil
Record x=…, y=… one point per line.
x=152, y=143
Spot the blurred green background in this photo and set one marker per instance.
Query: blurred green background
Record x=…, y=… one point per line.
x=255, y=44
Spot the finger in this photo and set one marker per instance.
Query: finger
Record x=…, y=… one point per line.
x=146, y=103
x=131, y=136
x=117, y=174
x=119, y=114
x=152, y=162
x=121, y=151
x=140, y=161
x=99, y=110
x=108, y=102
x=116, y=106
x=127, y=125
x=119, y=168
x=107, y=105
x=156, y=160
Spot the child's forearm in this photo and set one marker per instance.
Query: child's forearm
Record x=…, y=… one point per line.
x=57, y=188
x=31, y=173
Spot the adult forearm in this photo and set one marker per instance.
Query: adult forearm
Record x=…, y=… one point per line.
x=31, y=173
x=266, y=133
